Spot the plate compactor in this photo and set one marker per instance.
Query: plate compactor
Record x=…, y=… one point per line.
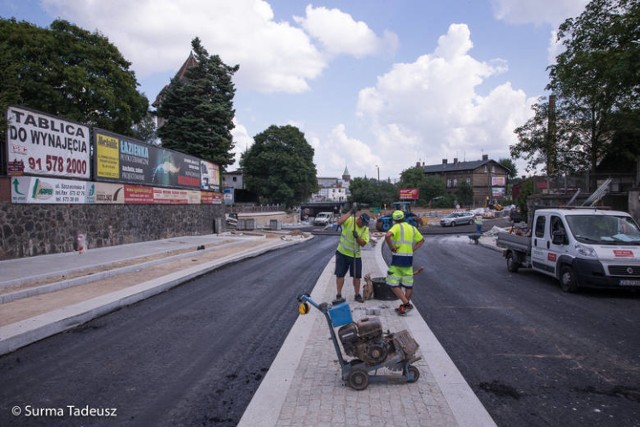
x=370, y=348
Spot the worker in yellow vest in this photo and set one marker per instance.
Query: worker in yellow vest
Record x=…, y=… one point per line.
x=355, y=234
x=403, y=239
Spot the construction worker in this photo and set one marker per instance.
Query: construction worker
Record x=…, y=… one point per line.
x=355, y=234
x=403, y=239
x=478, y=221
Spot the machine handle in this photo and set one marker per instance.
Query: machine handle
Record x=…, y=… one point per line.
x=307, y=298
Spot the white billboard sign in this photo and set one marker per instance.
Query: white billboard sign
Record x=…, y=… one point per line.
x=40, y=144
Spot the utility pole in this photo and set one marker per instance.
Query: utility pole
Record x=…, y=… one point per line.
x=552, y=160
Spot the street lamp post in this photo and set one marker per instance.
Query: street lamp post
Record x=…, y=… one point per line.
x=378, y=172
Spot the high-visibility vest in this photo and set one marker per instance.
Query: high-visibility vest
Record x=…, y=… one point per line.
x=348, y=245
x=403, y=256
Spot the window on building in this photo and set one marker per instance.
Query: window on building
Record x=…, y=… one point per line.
x=493, y=169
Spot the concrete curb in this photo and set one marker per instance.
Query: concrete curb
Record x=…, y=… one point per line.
x=264, y=408
x=66, y=256
x=53, y=287
x=28, y=331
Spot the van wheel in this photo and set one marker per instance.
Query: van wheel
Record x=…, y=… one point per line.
x=568, y=281
x=512, y=264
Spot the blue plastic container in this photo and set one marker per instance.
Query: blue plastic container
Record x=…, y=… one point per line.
x=340, y=314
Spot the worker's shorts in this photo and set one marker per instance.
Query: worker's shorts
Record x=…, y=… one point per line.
x=346, y=263
x=400, y=276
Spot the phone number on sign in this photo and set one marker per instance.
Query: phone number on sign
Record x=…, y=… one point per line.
x=57, y=164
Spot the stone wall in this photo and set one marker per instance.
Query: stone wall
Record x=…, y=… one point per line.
x=31, y=229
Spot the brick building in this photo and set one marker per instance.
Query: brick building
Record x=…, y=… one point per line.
x=487, y=178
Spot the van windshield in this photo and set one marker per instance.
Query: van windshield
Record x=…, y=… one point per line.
x=604, y=229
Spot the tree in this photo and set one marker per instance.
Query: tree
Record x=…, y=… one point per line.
x=429, y=187
x=69, y=72
x=364, y=191
x=596, y=78
x=596, y=84
x=511, y=166
x=372, y=192
x=414, y=178
x=146, y=130
x=511, y=175
x=279, y=166
x=435, y=189
x=198, y=109
x=538, y=148
x=464, y=193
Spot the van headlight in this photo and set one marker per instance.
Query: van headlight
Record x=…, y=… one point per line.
x=586, y=251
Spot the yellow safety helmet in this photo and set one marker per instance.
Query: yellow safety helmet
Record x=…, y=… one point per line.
x=397, y=215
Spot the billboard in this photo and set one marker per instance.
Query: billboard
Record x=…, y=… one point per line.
x=40, y=144
x=127, y=160
x=44, y=190
x=409, y=194
x=210, y=176
x=498, y=181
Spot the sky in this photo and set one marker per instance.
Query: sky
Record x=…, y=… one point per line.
x=376, y=86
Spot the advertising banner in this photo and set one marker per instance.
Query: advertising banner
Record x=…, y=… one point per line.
x=171, y=196
x=25, y=189
x=208, y=198
x=122, y=159
x=228, y=196
x=138, y=194
x=498, y=181
x=210, y=176
x=40, y=144
x=105, y=193
x=498, y=191
x=409, y=194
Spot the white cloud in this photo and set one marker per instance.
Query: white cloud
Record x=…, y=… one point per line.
x=429, y=110
x=337, y=150
x=155, y=35
x=555, y=48
x=537, y=12
x=242, y=140
x=339, y=33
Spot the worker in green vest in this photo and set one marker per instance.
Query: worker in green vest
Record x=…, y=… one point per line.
x=355, y=234
x=403, y=239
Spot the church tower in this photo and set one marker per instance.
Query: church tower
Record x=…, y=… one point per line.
x=345, y=175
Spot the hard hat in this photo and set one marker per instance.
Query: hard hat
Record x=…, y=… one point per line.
x=397, y=215
x=365, y=219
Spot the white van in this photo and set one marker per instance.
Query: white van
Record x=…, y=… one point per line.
x=323, y=218
x=581, y=247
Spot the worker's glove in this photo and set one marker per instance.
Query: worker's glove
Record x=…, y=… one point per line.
x=355, y=234
x=354, y=208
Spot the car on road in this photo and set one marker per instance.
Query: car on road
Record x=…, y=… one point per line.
x=457, y=218
x=323, y=218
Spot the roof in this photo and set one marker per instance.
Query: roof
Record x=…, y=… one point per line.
x=189, y=63
x=460, y=166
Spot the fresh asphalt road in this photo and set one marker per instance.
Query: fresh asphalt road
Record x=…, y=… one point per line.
x=535, y=356
x=194, y=355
